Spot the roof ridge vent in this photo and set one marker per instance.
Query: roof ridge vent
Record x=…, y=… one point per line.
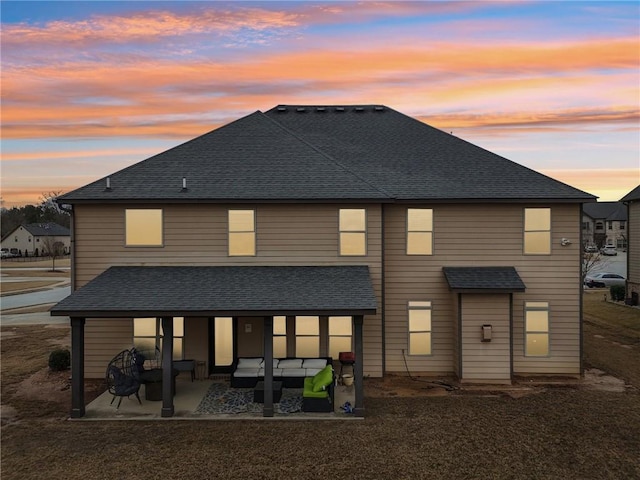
x=320, y=109
x=359, y=109
x=282, y=108
x=339, y=109
x=379, y=108
x=301, y=109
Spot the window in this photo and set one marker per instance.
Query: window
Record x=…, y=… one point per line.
x=307, y=337
x=609, y=225
x=622, y=224
x=340, y=332
x=242, y=233
x=536, y=329
x=29, y=239
x=419, y=328
x=147, y=336
x=537, y=231
x=419, y=231
x=143, y=227
x=353, y=231
x=279, y=336
x=599, y=226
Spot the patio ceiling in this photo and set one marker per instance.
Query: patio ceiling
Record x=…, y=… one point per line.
x=223, y=291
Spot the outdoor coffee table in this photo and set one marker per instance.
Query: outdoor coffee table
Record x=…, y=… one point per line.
x=258, y=392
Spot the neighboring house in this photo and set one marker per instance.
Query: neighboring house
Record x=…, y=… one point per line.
x=632, y=201
x=605, y=223
x=309, y=230
x=32, y=239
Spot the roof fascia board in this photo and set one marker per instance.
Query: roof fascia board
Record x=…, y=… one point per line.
x=206, y=313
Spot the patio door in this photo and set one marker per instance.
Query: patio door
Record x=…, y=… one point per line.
x=222, y=344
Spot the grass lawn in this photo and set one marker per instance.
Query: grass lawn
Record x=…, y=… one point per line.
x=557, y=433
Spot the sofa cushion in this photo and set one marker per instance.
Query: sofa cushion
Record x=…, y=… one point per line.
x=277, y=372
x=250, y=362
x=311, y=372
x=292, y=372
x=246, y=372
x=308, y=390
x=317, y=363
x=323, y=379
x=290, y=363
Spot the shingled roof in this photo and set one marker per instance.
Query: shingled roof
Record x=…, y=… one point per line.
x=47, y=230
x=483, y=279
x=223, y=291
x=633, y=195
x=325, y=153
x=606, y=211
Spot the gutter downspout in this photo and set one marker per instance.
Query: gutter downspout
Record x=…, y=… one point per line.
x=581, y=295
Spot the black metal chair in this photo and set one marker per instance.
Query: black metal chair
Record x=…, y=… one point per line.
x=123, y=377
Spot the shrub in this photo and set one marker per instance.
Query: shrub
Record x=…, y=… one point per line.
x=617, y=293
x=59, y=360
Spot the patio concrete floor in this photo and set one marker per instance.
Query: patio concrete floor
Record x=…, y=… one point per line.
x=186, y=400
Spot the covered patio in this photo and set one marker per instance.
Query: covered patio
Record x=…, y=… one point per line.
x=257, y=292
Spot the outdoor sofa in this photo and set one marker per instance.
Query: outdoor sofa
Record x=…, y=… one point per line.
x=247, y=372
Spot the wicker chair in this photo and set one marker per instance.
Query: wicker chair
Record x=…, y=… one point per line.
x=123, y=377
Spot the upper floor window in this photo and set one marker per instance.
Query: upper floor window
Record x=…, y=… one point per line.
x=242, y=233
x=143, y=227
x=537, y=231
x=536, y=319
x=353, y=231
x=419, y=231
x=419, y=328
x=599, y=226
x=610, y=225
x=622, y=224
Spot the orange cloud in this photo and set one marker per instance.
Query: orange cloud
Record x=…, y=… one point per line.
x=608, y=184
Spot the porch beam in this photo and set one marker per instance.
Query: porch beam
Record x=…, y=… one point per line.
x=77, y=367
x=358, y=366
x=167, y=367
x=267, y=408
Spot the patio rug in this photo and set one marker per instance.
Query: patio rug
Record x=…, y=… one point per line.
x=220, y=398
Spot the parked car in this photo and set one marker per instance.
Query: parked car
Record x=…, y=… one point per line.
x=609, y=250
x=591, y=249
x=5, y=253
x=602, y=280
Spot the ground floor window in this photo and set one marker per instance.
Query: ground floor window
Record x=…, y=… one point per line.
x=419, y=328
x=279, y=336
x=148, y=336
x=536, y=329
x=307, y=336
x=340, y=335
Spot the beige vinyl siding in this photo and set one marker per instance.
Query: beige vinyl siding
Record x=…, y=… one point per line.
x=295, y=234
x=104, y=338
x=483, y=235
x=633, y=226
x=485, y=360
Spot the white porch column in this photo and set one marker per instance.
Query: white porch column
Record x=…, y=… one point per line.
x=267, y=409
x=167, y=367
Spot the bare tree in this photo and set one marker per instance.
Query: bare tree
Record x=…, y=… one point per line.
x=54, y=249
x=591, y=260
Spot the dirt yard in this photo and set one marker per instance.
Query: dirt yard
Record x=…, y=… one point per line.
x=420, y=428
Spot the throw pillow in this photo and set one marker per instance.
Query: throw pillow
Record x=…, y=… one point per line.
x=323, y=379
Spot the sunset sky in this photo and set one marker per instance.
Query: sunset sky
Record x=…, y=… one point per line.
x=89, y=88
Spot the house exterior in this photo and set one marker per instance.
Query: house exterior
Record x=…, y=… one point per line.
x=472, y=261
x=33, y=239
x=632, y=201
x=605, y=223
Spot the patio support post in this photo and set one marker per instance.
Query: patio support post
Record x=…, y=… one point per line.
x=167, y=367
x=267, y=409
x=77, y=367
x=358, y=366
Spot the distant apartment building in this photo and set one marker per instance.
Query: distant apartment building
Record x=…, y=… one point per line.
x=605, y=223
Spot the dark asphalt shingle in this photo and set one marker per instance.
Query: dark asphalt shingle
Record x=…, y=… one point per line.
x=606, y=210
x=312, y=154
x=482, y=279
x=47, y=230
x=210, y=291
x=633, y=195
